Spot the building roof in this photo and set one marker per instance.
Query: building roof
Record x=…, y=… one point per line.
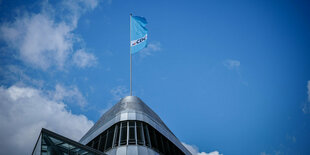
x=127, y=104
x=60, y=144
x=131, y=108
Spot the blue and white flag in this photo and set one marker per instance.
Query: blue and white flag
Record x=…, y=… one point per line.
x=138, y=34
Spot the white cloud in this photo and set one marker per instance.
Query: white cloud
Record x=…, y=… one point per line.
x=306, y=108
x=39, y=40
x=83, y=59
x=76, y=8
x=119, y=92
x=69, y=94
x=195, y=151
x=306, y=105
x=90, y=3
x=13, y=73
x=273, y=153
x=232, y=64
x=46, y=39
x=291, y=138
x=154, y=46
x=151, y=48
x=25, y=110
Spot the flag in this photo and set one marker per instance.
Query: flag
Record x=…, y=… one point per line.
x=138, y=33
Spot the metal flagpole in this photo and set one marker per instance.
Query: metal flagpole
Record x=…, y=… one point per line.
x=130, y=57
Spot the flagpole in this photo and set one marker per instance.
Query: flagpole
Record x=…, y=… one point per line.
x=130, y=56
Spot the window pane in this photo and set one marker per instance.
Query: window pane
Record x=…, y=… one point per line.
x=140, y=139
x=55, y=141
x=96, y=143
x=110, y=137
x=153, y=138
x=132, y=138
x=66, y=147
x=116, y=135
x=103, y=141
x=131, y=124
x=171, y=146
x=166, y=143
x=90, y=144
x=159, y=142
x=146, y=134
x=124, y=134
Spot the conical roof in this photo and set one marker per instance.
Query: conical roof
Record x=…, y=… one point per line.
x=130, y=108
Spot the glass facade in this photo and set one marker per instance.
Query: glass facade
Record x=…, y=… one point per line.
x=134, y=133
x=50, y=143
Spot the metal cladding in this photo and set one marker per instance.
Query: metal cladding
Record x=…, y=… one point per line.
x=131, y=108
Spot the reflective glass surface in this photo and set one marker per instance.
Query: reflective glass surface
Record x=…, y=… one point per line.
x=135, y=133
x=123, y=133
x=50, y=143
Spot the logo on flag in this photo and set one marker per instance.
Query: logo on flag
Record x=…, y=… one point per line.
x=138, y=41
x=138, y=34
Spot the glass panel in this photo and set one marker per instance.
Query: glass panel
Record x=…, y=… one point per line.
x=166, y=143
x=65, y=146
x=153, y=138
x=90, y=144
x=103, y=141
x=75, y=150
x=96, y=143
x=180, y=152
x=172, y=148
x=160, y=142
x=44, y=147
x=124, y=134
x=71, y=147
x=140, y=138
x=55, y=141
x=132, y=136
x=110, y=137
x=146, y=135
x=53, y=146
x=116, y=135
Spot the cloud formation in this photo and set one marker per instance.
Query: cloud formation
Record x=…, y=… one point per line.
x=46, y=39
x=68, y=94
x=273, y=153
x=151, y=48
x=195, y=151
x=14, y=73
x=306, y=105
x=25, y=110
x=232, y=64
x=119, y=92
x=83, y=59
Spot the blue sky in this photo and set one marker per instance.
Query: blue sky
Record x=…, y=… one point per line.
x=225, y=76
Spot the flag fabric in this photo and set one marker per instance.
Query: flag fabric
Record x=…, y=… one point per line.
x=138, y=34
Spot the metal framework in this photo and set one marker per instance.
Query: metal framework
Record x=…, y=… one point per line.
x=137, y=133
x=51, y=143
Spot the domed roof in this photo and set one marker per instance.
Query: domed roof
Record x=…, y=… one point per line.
x=131, y=108
x=127, y=104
